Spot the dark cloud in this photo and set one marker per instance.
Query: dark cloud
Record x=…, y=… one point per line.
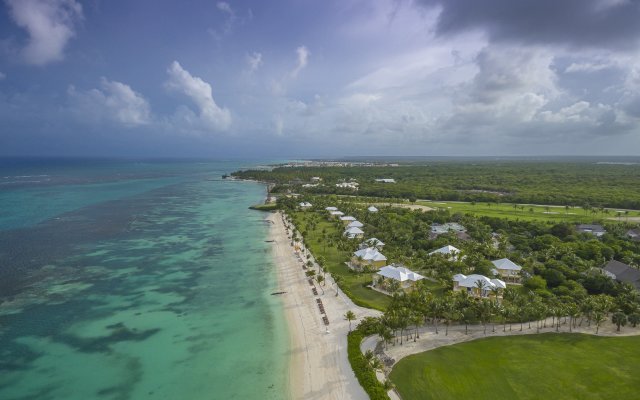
x=579, y=23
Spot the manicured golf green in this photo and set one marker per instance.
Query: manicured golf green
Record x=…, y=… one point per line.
x=547, y=366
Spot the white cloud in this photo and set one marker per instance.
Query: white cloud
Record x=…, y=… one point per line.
x=50, y=25
x=254, y=60
x=115, y=101
x=210, y=116
x=224, y=6
x=303, y=60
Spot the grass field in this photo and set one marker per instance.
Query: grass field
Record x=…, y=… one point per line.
x=352, y=284
x=530, y=212
x=547, y=366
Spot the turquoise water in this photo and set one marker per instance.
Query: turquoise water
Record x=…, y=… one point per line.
x=146, y=283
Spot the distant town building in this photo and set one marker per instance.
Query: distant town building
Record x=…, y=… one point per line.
x=348, y=185
x=386, y=180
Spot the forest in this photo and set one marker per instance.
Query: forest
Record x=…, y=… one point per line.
x=576, y=184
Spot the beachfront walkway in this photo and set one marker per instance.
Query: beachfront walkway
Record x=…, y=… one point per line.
x=429, y=340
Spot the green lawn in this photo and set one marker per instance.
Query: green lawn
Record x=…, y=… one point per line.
x=352, y=284
x=539, y=213
x=547, y=366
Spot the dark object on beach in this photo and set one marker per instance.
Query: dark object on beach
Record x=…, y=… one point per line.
x=225, y=176
x=269, y=241
x=275, y=293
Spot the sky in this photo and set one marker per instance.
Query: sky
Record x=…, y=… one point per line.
x=307, y=78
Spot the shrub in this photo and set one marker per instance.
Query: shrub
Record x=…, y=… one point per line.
x=363, y=370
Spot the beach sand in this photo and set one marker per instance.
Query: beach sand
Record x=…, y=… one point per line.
x=319, y=367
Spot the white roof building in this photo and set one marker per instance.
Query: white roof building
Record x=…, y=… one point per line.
x=448, y=251
x=386, y=180
x=353, y=233
x=305, y=204
x=337, y=213
x=348, y=185
x=348, y=218
x=370, y=254
x=372, y=209
x=505, y=264
x=400, y=274
x=440, y=229
x=507, y=270
x=356, y=224
x=331, y=208
x=477, y=284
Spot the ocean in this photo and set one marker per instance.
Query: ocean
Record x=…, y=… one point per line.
x=124, y=279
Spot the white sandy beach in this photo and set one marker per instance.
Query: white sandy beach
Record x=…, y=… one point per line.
x=319, y=368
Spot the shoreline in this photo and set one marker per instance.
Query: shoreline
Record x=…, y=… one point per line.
x=318, y=363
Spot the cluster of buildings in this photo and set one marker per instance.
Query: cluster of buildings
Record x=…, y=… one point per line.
x=369, y=257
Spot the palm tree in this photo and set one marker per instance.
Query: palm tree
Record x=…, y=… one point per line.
x=483, y=309
x=634, y=319
x=337, y=279
x=376, y=364
x=320, y=280
x=350, y=316
x=620, y=319
x=480, y=285
x=388, y=385
x=598, y=318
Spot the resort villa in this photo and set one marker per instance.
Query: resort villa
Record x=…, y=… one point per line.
x=386, y=180
x=331, y=208
x=336, y=214
x=441, y=229
x=372, y=209
x=476, y=285
x=400, y=274
x=594, y=229
x=634, y=234
x=369, y=257
x=449, y=252
x=305, y=205
x=346, y=220
x=354, y=233
x=507, y=270
x=622, y=272
x=355, y=224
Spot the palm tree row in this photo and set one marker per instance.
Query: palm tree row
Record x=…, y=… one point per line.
x=408, y=312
